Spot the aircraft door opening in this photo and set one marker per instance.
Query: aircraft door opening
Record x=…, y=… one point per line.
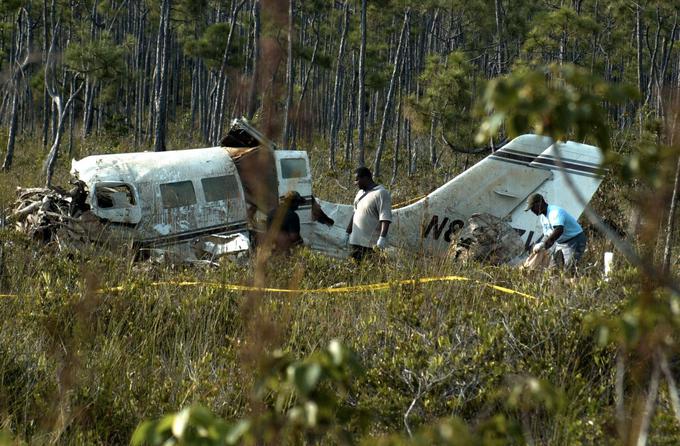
x=117, y=202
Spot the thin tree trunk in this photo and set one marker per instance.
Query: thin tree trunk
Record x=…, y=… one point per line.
x=638, y=39
x=141, y=76
x=305, y=81
x=252, y=95
x=670, y=225
x=46, y=98
x=499, y=37
x=193, y=103
x=349, y=133
x=19, y=72
x=390, y=94
x=289, y=77
x=361, y=117
x=54, y=150
x=397, y=126
x=90, y=84
x=218, y=115
x=433, y=146
x=51, y=87
x=652, y=60
x=413, y=153
x=339, y=73
x=88, y=108
x=71, y=121
x=9, y=156
x=160, y=99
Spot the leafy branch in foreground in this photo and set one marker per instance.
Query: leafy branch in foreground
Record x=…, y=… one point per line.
x=559, y=101
x=308, y=401
x=300, y=400
x=563, y=102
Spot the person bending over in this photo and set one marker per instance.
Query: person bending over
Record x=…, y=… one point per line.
x=560, y=229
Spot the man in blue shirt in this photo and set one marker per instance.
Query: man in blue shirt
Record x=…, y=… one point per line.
x=559, y=229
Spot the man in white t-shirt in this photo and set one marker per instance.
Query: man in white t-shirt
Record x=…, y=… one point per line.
x=368, y=227
x=560, y=229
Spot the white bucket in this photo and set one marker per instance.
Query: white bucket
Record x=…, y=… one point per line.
x=608, y=260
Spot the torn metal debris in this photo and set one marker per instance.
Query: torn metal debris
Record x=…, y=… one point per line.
x=489, y=239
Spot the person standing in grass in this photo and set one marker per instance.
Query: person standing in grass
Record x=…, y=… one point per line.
x=370, y=222
x=560, y=229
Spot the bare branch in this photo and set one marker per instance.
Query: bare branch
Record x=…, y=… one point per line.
x=619, y=394
x=21, y=66
x=115, y=15
x=473, y=150
x=650, y=405
x=672, y=387
x=50, y=75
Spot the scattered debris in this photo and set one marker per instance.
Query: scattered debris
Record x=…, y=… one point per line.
x=56, y=216
x=486, y=238
x=64, y=219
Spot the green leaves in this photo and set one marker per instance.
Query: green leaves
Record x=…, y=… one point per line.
x=305, y=377
x=530, y=393
x=560, y=30
x=306, y=401
x=195, y=425
x=446, y=96
x=8, y=7
x=210, y=46
x=101, y=58
x=296, y=384
x=630, y=328
x=562, y=102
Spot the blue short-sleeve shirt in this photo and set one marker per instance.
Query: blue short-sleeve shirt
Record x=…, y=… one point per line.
x=559, y=217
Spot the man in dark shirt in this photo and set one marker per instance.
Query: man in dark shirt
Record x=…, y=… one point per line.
x=283, y=223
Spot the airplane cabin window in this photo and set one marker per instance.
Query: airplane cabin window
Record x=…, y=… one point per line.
x=114, y=196
x=220, y=188
x=293, y=168
x=178, y=194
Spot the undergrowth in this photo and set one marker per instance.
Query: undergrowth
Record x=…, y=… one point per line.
x=86, y=365
x=92, y=344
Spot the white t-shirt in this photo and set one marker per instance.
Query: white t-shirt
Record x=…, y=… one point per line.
x=369, y=211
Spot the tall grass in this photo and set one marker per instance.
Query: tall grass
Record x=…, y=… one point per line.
x=83, y=364
x=88, y=366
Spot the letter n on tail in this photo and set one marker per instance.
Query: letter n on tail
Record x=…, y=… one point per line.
x=435, y=227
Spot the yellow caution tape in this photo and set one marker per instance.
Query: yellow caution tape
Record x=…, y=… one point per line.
x=382, y=286
x=407, y=202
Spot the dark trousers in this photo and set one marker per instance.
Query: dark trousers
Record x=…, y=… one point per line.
x=358, y=253
x=571, y=250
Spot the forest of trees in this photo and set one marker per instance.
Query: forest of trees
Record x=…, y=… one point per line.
x=355, y=73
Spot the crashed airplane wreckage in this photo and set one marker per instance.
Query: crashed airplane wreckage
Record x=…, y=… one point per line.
x=201, y=204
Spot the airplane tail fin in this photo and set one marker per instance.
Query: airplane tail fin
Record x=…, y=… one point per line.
x=576, y=173
x=499, y=185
